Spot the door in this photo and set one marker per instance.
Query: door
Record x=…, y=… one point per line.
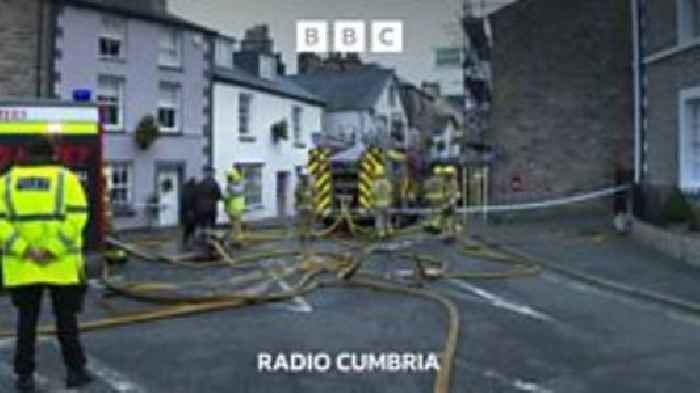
x=282, y=191
x=169, y=190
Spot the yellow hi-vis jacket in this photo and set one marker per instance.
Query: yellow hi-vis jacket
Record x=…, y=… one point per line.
x=43, y=207
x=433, y=191
x=234, y=201
x=381, y=192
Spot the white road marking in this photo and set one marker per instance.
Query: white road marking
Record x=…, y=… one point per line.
x=498, y=301
x=94, y=283
x=300, y=304
x=43, y=383
x=516, y=383
x=529, y=387
x=117, y=381
x=7, y=343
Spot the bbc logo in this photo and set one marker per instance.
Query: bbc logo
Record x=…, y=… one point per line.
x=349, y=36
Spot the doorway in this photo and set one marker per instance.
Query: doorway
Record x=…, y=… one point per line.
x=168, y=183
x=282, y=192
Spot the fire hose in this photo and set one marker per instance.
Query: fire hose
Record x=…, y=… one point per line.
x=345, y=266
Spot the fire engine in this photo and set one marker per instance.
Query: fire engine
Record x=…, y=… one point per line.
x=77, y=128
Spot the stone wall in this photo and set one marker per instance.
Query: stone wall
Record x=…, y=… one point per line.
x=562, y=114
x=24, y=68
x=682, y=247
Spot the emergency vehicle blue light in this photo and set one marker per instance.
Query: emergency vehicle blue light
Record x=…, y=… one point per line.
x=82, y=95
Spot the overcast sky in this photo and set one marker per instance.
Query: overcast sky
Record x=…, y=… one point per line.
x=427, y=24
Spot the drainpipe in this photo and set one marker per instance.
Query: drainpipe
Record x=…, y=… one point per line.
x=39, y=46
x=637, y=92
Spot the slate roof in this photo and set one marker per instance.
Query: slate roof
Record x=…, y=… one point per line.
x=141, y=9
x=356, y=89
x=282, y=85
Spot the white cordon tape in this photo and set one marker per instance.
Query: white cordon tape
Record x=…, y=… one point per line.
x=523, y=206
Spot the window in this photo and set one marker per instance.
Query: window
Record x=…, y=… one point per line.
x=382, y=123
x=169, y=107
x=253, y=185
x=267, y=67
x=118, y=176
x=169, y=54
x=690, y=145
x=224, y=52
x=689, y=20
x=297, y=113
x=112, y=38
x=110, y=96
x=689, y=139
x=392, y=95
x=244, y=104
x=448, y=57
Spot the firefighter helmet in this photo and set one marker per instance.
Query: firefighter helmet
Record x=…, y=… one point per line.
x=233, y=174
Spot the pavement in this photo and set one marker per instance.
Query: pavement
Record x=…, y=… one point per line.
x=550, y=333
x=588, y=248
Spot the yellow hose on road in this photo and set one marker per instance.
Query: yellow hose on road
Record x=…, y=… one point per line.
x=444, y=375
x=345, y=267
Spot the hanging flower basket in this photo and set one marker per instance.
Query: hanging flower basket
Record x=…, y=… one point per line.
x=279, y=131
x=146, y=132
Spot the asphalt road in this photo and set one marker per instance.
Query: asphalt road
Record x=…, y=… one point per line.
x=538, y=334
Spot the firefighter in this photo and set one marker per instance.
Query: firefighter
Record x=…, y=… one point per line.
x=234, y=202
x=450, y=190
x=433, y=195
x=303, y=203
x=43, y=211
x=381, y=193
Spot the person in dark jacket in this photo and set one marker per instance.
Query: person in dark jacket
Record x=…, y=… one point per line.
x=188, y=213
x=208, y=196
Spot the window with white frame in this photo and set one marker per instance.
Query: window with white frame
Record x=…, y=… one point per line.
x=112, y=38
x=110, y=97
x=688, y=20
x=244, y=107
x=253, y=190
x=297, y=118
x=170, y=48
x=690, y=144
x=118, y=182
x=169, y=107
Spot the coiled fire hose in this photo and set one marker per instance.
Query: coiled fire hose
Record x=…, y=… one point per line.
x=345, y=266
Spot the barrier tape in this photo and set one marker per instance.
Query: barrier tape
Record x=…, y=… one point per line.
x=506, y=208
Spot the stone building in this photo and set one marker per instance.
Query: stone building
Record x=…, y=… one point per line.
x=669, y=112
x=561, y=116
x=25, y=48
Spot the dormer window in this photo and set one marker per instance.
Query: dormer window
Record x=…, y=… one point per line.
x=224, y=52
x=268, y=67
